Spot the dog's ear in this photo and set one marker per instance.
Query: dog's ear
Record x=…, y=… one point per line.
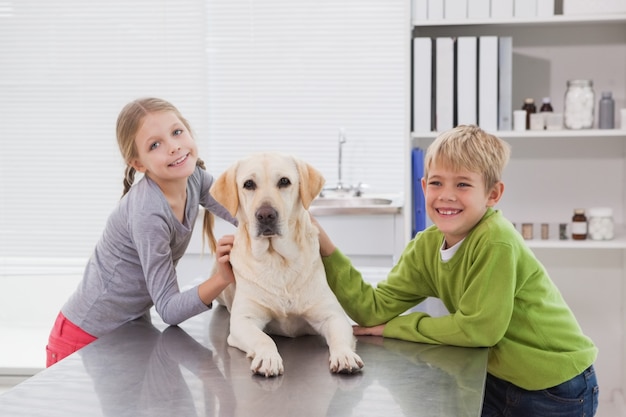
x=311, y=182
x=224, y=190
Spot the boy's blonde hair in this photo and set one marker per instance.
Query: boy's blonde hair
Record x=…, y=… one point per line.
x=468, y=147
x=129, y=121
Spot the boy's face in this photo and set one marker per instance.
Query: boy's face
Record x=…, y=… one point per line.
x=457, y=200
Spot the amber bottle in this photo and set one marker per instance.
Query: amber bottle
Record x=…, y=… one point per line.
x=529, y=106
x=579, y=225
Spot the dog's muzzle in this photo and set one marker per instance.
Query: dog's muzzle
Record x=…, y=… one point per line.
x=267, y=221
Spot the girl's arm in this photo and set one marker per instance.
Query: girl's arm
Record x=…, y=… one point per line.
x=223, y=275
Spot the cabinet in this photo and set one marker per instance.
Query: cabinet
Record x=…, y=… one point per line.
x=553, y=172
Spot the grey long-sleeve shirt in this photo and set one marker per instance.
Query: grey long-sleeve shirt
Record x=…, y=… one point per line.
x=133, y=265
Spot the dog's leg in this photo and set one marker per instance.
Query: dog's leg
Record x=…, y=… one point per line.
x=331, y=322
x=246, y=334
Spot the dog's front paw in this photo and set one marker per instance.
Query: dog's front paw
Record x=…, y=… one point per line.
x=345, y=362
x=267, y=364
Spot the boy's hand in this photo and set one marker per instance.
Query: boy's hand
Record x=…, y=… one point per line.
x=368, y=331
x=327, y=247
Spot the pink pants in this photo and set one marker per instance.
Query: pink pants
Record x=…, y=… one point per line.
x=65, y=339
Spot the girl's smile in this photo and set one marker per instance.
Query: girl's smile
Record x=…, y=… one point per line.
x=180, y=161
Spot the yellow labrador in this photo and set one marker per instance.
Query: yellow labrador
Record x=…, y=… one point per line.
x=280, y=285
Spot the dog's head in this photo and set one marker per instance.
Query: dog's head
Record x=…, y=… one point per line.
x=265, y=190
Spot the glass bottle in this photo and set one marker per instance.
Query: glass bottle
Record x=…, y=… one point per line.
x=529, y=106
x=546, y=107
x=579, y=225
x=606, y=111
x=601, y=225
x=579, y=104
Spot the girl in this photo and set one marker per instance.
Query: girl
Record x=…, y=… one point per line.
x=133, y=265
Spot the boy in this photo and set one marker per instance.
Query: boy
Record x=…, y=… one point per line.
x=498, y=294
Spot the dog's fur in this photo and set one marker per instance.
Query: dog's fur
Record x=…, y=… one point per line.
x=280, y=283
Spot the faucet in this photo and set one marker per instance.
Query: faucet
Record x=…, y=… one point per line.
x=342, y=140
x=340, y=187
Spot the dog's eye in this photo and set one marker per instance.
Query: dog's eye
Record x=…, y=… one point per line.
x=284, y=182
x=249, y=185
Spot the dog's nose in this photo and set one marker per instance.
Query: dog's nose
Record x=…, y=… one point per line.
x=266, y=215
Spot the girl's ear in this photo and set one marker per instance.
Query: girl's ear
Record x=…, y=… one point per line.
x=495, y=194
x=135, y=163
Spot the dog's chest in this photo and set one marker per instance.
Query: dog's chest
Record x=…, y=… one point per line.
x=284, y=289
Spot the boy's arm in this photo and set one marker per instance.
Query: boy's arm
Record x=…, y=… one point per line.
x=485, y=305
x=365, y=304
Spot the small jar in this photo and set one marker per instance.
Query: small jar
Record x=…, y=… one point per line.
x=530, y=108
x=579, y=225
x=601, y=225
x=579, y=104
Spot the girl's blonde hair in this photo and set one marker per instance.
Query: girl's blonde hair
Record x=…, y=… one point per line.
x=468, y=147
x=128, y=123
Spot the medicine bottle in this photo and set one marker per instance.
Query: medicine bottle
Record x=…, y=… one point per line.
x=529, y=106
x=579, y=104
x=601, y=223
x=579, y=225
x=546, y=105
x=606, y=111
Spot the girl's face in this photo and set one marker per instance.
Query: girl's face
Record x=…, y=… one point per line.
x=456, y=201
x=166, y=150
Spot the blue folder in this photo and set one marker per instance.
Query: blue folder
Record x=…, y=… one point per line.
x=419, y=209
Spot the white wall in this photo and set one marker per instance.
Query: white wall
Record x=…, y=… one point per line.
x=249, y=76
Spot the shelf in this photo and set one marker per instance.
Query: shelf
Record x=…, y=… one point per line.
x=548, y=134
x=619, y=242
x=528, y=22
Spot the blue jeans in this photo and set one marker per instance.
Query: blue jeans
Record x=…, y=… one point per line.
x=576, y=397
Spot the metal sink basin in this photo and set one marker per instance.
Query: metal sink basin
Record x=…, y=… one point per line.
x=350, y=201
x=349, y=204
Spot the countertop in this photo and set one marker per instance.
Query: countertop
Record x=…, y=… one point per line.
x=149, y=369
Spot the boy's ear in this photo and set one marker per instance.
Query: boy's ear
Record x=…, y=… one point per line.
x=495, y=194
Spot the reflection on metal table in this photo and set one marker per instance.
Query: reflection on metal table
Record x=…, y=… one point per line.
x=143, y=369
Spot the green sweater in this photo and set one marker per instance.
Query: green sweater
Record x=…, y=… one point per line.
x=498, y=295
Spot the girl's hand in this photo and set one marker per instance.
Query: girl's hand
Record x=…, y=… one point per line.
x=222, y=256
x=368, y=331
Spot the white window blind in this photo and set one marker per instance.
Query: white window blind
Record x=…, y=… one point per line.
x=287, y=75
x=67, y=67
x=249, y=75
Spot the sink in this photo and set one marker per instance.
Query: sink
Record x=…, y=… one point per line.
x=349, y=204
x=350, y=201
